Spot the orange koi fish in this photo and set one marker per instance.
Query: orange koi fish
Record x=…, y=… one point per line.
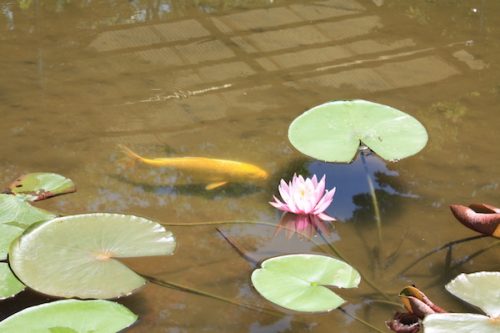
x=215, y=172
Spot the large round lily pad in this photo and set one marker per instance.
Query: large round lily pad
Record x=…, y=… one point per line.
x=41, y=185
x=334, y=131
x=9, y=285
x=298, y=282
x=481, y=289
x=16, y=211
x=70, y=316
x=73, y=256
x=460, y=323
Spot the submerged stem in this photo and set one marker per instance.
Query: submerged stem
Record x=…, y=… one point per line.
x=376, y=208
x=447, y=245
x=177, y=286
x=330, y=246
x=367, y=324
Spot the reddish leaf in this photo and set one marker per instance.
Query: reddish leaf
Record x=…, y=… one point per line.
x=404, y=323
x=482, y=218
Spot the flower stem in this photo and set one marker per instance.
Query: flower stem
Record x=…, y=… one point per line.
x=177, y=286
x=376, y=208
x=363, y=276
x=447, y=245
x=269, y=224
x=367, y=324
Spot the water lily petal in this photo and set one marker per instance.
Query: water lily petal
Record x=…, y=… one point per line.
x=325, y=201
x=325, y=217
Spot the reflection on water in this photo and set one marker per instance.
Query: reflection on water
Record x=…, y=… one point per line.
x=224, y=79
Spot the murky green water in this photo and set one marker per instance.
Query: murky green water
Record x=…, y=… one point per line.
x=224, y=79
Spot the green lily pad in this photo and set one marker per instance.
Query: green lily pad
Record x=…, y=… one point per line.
x=40, y=185
x=481, y=289
x=70, y=316
x=9, y=285
x=16, y=211
x=298, y=282
x=73, y=256
x=334, y=131
x=460, y=323
x=7, y=234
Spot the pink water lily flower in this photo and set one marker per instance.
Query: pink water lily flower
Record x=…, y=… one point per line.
x=305, y=197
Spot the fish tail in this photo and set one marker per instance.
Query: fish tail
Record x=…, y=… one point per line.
x=134, y=156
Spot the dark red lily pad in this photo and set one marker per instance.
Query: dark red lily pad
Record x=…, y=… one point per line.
x=39, y=186
x=482, y=218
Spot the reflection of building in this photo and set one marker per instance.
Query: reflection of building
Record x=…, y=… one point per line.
x=324, y=44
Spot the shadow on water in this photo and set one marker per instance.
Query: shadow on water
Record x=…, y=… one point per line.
x=234, y=190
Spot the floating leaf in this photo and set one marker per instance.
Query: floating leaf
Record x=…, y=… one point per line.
x=481, y=289
x=7, y=234
x=39, y=185
x=70, y=316
x=482, y=218
x=298, y=282
x=72, y=256
x=460, y=323
x=334, y=131
x=9, y=285
x=16, y=211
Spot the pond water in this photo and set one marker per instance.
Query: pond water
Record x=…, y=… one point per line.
x=224, y=79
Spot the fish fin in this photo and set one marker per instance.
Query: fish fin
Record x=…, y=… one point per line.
x=130, y=153
x=213, y=186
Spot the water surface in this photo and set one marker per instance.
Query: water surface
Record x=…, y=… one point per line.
x=224, y=79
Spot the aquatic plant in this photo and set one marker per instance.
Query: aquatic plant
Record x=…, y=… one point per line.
x=9, y=285
x=482, y=218
x=73, y=256
x=334, y=131
x=417, y=305
x=479, y=289
x=70, y=316
x=299, y=281
x=40, y=185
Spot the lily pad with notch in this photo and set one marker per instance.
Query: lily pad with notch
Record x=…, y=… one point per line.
x=70, y=316
x=9, y=284
x=41, y=185
x=479, y=289
x=334, y=131
x=15, y=211
x=75, y=256
x=300, y=281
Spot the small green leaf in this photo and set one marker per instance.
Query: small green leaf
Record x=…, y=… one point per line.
x=481, y=289
x=7, y=234
x=298, y=282
x=73, y=256
x=333, y=131
x=70, y=316
x=39, y=185
x=9, y=285
x=16, y=211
